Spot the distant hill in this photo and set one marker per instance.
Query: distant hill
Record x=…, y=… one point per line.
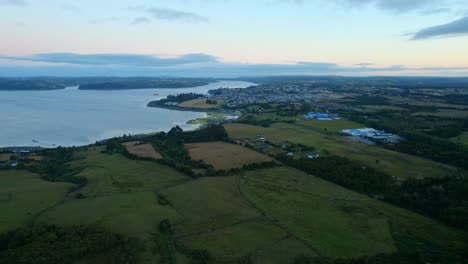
x=144, y=83
x=8, y=84
x=376, y=81
x=97, y=83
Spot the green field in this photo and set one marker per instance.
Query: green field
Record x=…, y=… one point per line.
x=210, y=117
x=373, y=108
x=307, y=133
x=332, y=221
x=23, y=196
x=462, y=139
x=121, y=195
x=267, y=215
x=329, y=126
x=445, y=113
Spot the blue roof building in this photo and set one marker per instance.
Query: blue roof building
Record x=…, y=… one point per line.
x=318, y=116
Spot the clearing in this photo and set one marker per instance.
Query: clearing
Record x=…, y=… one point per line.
x=224, y=156
x=201, y=104
x=142, y=149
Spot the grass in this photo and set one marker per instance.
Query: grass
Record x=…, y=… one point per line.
x=374, y=108
x=445, y=113
x=216, y=217
x=271, y=116
x=201, y=104
x=268, y=215
x=211, y=117
x=426, y=103
x=23, y=195
x=334, y=221
x=236, y=241
x=121, y=195
x=141, y=149
x=331, y=126
x=208, y=203
x=224, y=156
x=307, y=133
x=332, y=227
x=461, y=139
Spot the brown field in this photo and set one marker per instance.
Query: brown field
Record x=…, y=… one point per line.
x=224, y=155
x=200, y=103
x=144, y=150
x=5, y=157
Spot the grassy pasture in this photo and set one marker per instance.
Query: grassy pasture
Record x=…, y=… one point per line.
x=210, y=117
x=223, y=155
x=334, y=221
x=121, y=195
x=426, y=103
x=23, y=195
x=445, y=113
x=334, y=126
x=328, y=218
x=271, y=215
x=392, y=162
x=462, y=139
x=382, y=107
x=208, y=203
x=201, y=104
x=145, y=150
x=217, y=218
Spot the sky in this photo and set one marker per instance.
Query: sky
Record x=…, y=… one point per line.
x=232, y=38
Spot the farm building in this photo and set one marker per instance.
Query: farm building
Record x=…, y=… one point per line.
x=318, y=116
x=372, y=134
x=313, y=155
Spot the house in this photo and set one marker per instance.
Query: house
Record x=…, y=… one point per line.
x=313, y=155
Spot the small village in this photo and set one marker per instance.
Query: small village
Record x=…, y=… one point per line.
x=265, y=94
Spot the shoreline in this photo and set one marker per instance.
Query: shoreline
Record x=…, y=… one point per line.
x=192, y=124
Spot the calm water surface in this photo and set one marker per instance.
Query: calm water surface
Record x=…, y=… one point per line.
x=79, y=117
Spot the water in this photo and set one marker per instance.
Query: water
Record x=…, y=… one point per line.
x=73, y=117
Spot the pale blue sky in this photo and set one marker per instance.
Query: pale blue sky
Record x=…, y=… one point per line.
x=234, y=37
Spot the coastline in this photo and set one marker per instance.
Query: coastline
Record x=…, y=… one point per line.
x=200, y=117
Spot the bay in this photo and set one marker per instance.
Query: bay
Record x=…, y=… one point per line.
x=73, y=117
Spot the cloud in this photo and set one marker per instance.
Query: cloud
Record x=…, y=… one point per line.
x=105, y=20
x=175, y=15
x=365, y=64
x=71, y=8
x=140, y=20
x=394, y=6
x=439, y=10
x=13, y=2
x=190, y=65
x=115, y=59
x=455, y=28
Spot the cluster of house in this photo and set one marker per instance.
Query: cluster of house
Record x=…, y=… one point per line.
x=319, y=116
x=372, y=134
x=267, y=93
